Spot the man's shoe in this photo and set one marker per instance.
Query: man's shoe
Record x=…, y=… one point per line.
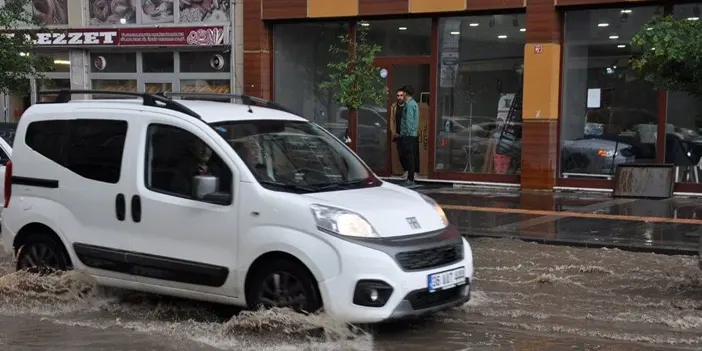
x=404, y=175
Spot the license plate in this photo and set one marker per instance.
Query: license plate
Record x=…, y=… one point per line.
x=446, y=280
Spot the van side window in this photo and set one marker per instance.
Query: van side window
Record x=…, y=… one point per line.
x=95, y=147
x=90, y=148
x=46, y=138
x=175, y=156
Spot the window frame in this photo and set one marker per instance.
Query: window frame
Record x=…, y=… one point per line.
x=147, y=166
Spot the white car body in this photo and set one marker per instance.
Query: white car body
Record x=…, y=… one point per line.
x=5, y=155
x=212, y=240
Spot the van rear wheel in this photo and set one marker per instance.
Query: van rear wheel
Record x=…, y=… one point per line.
x=284, y=284
x=42, y=255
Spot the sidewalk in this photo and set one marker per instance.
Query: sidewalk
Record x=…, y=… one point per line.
x=671, y=226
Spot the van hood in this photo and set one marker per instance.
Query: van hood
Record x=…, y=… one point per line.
x=387, y=208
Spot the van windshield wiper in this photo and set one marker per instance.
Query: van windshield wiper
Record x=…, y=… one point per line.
x=286, y=186
x=349, y=184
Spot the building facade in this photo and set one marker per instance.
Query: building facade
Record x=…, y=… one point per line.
x=135, y=45
x=536, y=93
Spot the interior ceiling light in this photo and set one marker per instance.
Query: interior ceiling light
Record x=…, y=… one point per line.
x=693, y=18
x=621, y=46
x=613, y=37
x=603, y=24
x=502, y=36
x=455, y=33
x=626, y=11
x=402, y=28
x=365, y=24
x=522, y=29
x=474, y=24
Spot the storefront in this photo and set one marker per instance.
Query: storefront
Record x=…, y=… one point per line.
x=181, y=59
x=537, y=94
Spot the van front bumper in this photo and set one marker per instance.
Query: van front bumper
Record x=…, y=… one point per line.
x=404, y=293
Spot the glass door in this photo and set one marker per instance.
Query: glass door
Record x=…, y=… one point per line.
x=375, y=143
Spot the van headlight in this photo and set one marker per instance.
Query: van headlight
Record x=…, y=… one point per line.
x=439, y=211
x=342, y=222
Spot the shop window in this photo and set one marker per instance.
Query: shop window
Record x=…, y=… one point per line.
x=157, y=11
x=300, y=66
x=52, y=84
x=402, y=37
x=205, y=61
x=60, y=62
x=157, y=62
x=684, y=120
x=220, y=86
x=113, y=85
x=154, y=88
x=204, y=11
x=111, y=12
x=609, y=114
x=113, y=63
x=479, y=102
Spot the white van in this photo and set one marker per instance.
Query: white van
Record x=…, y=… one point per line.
x=224, y=202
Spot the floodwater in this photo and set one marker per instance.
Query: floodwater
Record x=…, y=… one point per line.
x=525, y=297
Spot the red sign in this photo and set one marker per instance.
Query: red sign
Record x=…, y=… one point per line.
x=149, y=36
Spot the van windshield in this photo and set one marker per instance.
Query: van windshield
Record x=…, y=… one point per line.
x=295, y=156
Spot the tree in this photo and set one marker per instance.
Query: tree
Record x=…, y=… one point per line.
x=671, y=54
x=17, y=60
x=354, y=79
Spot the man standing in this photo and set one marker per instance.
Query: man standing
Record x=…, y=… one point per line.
x=409, y=126
x=396, y=123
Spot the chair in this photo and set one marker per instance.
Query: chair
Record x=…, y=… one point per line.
x=676, y=154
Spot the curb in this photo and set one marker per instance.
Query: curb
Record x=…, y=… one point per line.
x=633, y=247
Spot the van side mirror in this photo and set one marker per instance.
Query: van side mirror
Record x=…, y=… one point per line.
x=203, y=185
x=206, y=188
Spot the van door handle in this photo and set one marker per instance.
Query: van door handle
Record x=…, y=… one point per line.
x=136, y=208
x=120, y=207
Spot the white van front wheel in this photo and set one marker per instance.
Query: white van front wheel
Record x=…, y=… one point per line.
x=284, y=284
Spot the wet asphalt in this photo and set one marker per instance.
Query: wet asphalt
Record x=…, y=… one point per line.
x=526, y=296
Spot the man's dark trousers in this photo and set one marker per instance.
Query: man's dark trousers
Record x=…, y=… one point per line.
x=409, y=151
x=400, y=154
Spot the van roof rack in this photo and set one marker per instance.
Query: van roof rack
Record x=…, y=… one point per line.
x=64, y=95
x=245, y=99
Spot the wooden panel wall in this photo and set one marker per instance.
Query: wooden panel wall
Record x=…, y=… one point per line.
x=598, y=2
x=257, y=51
x=382, y=7
x=289, y=9
x=326, y=8
x=540, y=111
x=425, y=6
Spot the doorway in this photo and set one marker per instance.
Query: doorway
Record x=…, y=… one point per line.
x=375, y=142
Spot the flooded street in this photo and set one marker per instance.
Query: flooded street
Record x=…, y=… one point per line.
x=525, y=297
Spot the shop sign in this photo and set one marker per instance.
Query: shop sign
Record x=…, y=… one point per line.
x=150, y=36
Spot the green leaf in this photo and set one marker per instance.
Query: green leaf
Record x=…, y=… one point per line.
x=18, y=63
x=353, y=78
x=669, y=54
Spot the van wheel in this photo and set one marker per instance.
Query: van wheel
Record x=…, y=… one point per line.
x=42, y=255
x=284, y=284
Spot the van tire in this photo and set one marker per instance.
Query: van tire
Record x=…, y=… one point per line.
x=291, y=275
x=42, y=254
